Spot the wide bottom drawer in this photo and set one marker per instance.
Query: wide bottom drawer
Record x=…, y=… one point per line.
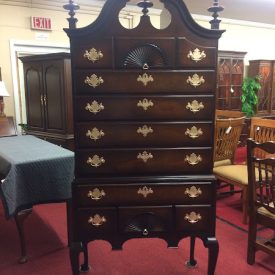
x=144, y=194
x=144, y=161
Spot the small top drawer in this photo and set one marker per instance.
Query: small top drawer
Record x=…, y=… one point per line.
x=97, y=54
x=190, y=55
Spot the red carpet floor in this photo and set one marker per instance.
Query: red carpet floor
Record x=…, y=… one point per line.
x=49, y=255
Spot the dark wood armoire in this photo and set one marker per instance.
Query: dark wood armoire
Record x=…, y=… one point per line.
x=266, y=95
x=144, y=109
x=48, y=93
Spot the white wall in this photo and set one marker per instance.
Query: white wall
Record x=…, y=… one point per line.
x=257, y=40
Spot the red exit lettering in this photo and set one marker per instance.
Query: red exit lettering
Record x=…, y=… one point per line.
x=41, y=23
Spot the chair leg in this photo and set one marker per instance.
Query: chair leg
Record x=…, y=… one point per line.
x=244, y=204
x=252, y=235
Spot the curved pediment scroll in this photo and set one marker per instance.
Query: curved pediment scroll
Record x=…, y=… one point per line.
x=108, y=22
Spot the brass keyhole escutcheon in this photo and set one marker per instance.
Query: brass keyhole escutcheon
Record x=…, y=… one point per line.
x=145, y=232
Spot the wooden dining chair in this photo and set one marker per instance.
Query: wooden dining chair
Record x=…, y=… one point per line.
x=261, y=196
x=227, y=135
x=228, y=114
x=261, y=130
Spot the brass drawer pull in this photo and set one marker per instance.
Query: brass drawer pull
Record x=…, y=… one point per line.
x=197, y=55
x=193, y=159
x=45, y=100
x=94, y=107
x=145, y=79
x=195, y=80
x=193, y=217
x=144, y=130
x=96, y=220
x=96, y=194
x=193, y=192
x=95, y=134
x=93, y=80
x=145, y=232
x=144, y=156
x=145, y=191
x=93, y=55
x=95, y=161
x=145, y=104
x=194, y=132
x=195, y=106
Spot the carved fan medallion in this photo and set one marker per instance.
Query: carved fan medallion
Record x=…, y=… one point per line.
x=146, y=56
x=145, y=223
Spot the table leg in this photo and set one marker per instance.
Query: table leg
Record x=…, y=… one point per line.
x=192, y=262
x=20, y=218
x=69, y=222
x=213, y=251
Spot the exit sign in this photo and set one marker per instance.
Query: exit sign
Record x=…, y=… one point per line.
x=41, y=23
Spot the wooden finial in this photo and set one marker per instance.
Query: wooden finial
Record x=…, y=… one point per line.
x=145, y=5
x=71, y=7
x=216, y=8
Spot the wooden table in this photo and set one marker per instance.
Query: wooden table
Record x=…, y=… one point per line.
x=33, y=171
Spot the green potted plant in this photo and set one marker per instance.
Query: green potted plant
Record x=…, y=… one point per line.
x=24, y=128
x=249, y=97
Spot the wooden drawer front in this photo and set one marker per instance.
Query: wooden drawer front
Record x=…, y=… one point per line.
x=97, y=54
x=144, y=108
x=135, y=52
x=195, y=219
x=144, y=194
x=145, y=81
x=122, y=134
x=191, y=55
x=95, y=221
x=145, y=220
x=144, y=161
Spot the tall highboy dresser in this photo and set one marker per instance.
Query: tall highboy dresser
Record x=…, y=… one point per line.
x=144, y=108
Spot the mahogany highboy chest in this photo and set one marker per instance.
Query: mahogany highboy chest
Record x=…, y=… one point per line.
x=144, y=107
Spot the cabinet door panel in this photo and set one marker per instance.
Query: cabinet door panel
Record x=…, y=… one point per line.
x=34, y=97
x=54, y=97
x=231, y=70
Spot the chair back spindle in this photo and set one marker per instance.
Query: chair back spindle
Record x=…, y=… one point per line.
x=261, y=196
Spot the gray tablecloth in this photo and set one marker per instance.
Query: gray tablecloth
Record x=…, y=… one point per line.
x=35, y=172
